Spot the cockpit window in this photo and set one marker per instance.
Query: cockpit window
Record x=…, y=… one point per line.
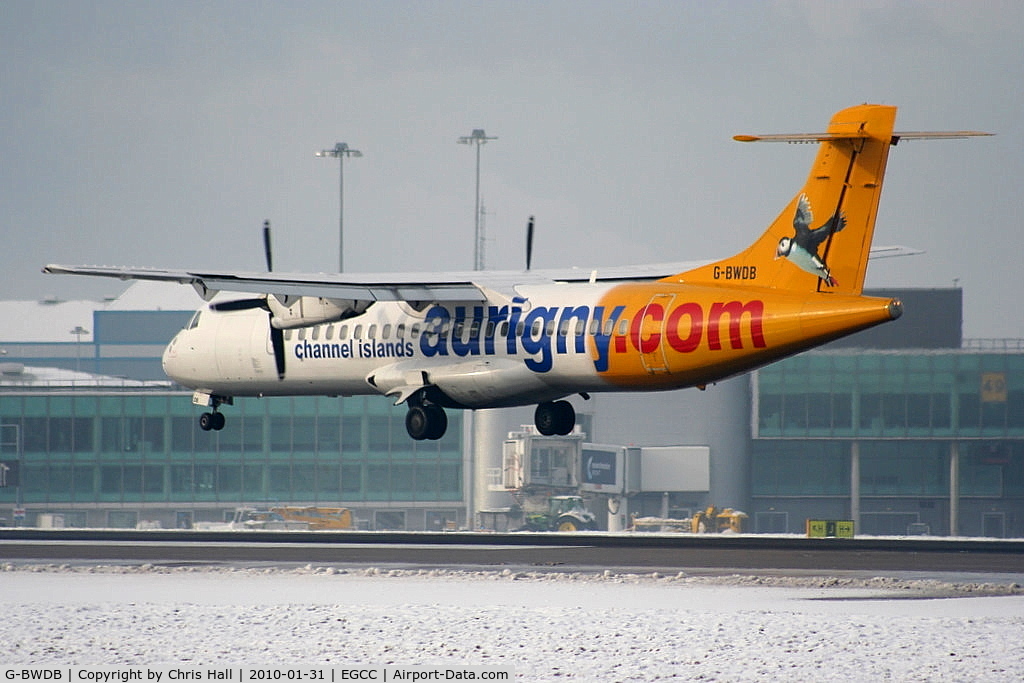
x=194, y=322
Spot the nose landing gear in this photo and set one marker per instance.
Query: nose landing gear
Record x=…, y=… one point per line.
x=213, y=420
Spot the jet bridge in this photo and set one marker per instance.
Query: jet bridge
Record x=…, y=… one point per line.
x=537, y=466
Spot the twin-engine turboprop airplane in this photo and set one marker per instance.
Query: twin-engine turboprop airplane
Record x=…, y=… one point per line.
x=494, y=339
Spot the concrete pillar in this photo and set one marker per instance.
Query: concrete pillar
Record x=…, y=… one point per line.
x=618, y=513
x=485, y=439
x=954, y=488
x=855, y=485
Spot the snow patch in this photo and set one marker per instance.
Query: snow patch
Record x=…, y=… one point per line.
x=549, y=626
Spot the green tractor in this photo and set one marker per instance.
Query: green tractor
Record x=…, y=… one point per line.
x=564, y=513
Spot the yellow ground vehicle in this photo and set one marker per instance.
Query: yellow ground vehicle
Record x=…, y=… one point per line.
x=316, y=517
x=714, y=520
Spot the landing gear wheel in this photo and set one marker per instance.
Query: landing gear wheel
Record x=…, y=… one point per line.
x=555, y=417
x=214, y=421
x=416, y=422
x=426, y=422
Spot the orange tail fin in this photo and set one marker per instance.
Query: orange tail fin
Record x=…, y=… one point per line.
x=821, y=240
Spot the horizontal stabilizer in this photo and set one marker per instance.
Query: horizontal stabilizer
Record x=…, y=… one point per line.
x=856, y=134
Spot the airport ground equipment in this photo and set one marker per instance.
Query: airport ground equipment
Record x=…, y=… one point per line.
x=564, y=513
x=713, y=520
x=317, y=518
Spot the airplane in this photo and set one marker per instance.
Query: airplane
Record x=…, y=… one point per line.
x=493, y=339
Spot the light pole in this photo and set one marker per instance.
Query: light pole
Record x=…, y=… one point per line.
x=474, y=465
x=478, y=138
x=340, y=151
x=78, y=332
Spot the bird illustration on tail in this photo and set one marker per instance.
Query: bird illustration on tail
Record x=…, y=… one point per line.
x=802, y=248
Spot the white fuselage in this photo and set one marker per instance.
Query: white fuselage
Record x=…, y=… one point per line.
x=484, y=355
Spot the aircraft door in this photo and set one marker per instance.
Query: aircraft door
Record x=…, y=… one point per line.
x=649, y=333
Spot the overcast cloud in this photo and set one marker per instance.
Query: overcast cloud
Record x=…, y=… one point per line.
x=164, y=133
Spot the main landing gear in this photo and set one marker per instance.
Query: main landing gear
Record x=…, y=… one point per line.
x=429, y=421
x=555, y=417
x=426, y=421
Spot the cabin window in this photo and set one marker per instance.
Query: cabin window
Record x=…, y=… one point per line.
x=608, y=327
x=386, y=332
x=550, y=327
x=581, y=327
x=302, y=333
x=623, y=327
x=503, y=329
x=474, y=330
x=563, y=328
x=521, y=328
x=400, y=331
x=489, y=330
x=372, y=334
x=415, y=332
x=358, y=332
x=457, y=330
x=316, y=333
x=330, y=333
x=288, y=335
x=594, y=326
x=344, y=332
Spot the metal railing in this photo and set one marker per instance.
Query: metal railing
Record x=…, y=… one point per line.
x=1005, y=344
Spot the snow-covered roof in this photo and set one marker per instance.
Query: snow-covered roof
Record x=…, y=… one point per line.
x=53, y=320
x=155, y=296
x=18, y=376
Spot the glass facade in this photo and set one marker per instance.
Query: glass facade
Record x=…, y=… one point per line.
x=145, y=448
x=910, y=417
x=905, y=395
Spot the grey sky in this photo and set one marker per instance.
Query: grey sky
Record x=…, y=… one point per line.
x=164, y=133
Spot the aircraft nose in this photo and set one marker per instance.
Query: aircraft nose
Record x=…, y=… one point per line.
x=172, y=361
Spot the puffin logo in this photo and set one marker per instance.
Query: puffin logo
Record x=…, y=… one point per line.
x=802, y=248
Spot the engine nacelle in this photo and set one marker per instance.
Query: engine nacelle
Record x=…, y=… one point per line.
x=310, y=310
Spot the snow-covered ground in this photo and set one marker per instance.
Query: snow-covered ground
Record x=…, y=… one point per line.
x=548, y=626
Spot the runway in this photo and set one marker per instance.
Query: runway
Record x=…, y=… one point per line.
x=557, y=552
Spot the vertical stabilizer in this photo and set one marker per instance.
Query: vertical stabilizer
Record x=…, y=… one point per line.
x=821, y=240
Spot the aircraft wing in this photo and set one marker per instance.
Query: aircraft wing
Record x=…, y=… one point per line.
x=466, y=286
x=365, y=287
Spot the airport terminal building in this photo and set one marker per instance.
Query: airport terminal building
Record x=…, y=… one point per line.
x=905, y=429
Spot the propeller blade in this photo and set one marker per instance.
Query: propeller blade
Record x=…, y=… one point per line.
x=277, y=341
x=240, y=304
x=529, y=243
x=266, y=246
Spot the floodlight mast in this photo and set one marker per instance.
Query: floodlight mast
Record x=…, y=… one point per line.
x=340, y=151
x=478, y=138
